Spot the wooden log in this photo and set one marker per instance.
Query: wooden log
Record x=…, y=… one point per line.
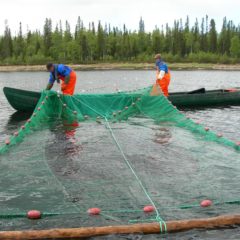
x=143, y=228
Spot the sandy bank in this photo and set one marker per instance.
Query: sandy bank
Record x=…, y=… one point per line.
x=125, y=66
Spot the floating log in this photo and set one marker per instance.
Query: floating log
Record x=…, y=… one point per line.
x=142, y=228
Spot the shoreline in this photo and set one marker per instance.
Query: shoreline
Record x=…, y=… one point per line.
x=125, y=66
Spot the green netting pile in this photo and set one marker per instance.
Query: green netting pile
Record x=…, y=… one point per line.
x=119, y=153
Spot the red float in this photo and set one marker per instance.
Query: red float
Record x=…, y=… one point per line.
x=206, y=129
x=39, y=108
x=94, y=211
x=232, y=90
x=238, y=143
x=206, y=203
x=23, y=127
x=7, y=142
x=16, y=134
x=34, y=214
x=148, y=209
x=219, y=135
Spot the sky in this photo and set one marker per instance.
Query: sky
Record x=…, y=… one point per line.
x=32, y=13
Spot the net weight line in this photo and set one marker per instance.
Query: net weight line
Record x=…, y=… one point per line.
x=147, y=228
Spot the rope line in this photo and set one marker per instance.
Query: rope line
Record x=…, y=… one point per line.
x=158, y=217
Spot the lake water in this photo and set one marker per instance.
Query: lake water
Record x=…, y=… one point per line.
x=224, y=120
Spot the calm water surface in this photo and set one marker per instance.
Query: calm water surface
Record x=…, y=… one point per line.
x=224, y=120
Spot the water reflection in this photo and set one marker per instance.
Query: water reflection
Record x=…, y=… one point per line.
x=162, y=136
x=64, y=150
x=17, y=117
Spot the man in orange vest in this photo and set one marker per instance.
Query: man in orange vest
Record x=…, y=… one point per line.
x=163, y=74
x=61, y=72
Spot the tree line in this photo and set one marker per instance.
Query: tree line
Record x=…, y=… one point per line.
x=182, y=42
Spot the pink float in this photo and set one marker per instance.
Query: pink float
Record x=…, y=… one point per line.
x=34, y=214
x=206, y=203
x=148, y=209
x=94, y=211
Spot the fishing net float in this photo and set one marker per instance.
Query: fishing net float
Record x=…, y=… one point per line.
x=125, y=162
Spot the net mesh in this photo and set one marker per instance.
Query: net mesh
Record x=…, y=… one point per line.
x=119, y=153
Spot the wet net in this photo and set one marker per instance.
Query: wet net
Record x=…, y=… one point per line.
x=118, y=153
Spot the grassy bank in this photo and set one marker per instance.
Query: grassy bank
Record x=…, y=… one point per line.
x=126, y=66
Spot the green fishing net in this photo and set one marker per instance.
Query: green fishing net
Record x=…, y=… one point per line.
x=118, y=153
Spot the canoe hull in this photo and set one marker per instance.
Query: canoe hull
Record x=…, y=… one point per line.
x=208, y=99
x=22, y=100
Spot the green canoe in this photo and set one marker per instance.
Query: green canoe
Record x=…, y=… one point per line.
x=23, y=100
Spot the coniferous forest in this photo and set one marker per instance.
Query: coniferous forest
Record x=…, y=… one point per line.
x=183, y=42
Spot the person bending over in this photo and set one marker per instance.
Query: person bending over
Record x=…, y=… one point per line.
x=65, y=74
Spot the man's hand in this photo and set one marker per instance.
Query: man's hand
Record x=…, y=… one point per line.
x=49, y=86
x=161, y=75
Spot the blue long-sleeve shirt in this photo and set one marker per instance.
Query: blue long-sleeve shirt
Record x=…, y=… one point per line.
x=162, y=66
x=60, y=70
